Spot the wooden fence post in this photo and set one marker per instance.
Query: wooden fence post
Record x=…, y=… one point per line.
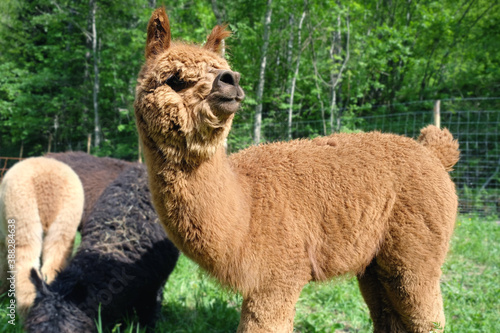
x=50, y=143
x=437, y=113
x=89, y=141
x=139, y=150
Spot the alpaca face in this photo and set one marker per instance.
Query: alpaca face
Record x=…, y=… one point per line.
x=55, y=311
x=186, y=95
x=55, y=314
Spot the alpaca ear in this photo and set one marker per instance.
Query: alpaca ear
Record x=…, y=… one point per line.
x=40, y=285
x=214, y=40
x=158, y=39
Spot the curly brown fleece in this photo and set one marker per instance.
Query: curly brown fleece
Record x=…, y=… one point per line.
x=269, y=219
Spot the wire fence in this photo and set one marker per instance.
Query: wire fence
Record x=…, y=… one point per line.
x=477, y=174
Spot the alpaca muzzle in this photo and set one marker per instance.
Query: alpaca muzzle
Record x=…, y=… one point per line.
x=226, y=95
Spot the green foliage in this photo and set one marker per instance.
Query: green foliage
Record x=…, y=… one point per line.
x=369, y=53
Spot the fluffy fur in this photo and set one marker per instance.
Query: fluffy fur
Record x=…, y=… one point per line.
x=96, y=173
x=123, y=263
x=271, y=218
x=45, y=199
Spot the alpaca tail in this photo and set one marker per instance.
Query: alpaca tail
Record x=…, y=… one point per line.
x=441, y=144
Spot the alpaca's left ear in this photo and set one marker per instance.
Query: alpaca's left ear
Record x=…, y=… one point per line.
x=214, y=40
x=158, y=33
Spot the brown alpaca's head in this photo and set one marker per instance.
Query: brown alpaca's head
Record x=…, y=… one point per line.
x=186, y=95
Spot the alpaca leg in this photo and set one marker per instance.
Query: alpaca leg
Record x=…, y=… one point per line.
x=4, y=284
x=148, y=307
x=28, y=250
x=58, y=244
x=269, y=310
x=409, y=273
x=417, y=299
x=383, y=317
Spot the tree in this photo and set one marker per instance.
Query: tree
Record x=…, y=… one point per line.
x=263, y=62
x=296, y=72
x=63, y=80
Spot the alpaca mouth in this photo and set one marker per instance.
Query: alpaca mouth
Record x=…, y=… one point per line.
x=225, y=105
x=226, y=95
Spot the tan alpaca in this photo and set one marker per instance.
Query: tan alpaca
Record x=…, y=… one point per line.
x=273, y=217
x=43, y=199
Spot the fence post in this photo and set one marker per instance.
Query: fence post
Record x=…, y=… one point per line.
x=437, y=113
x=139, y=150
x=50, y=143
x=89, y=140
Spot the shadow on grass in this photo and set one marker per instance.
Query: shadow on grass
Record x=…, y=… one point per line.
x=216, y=317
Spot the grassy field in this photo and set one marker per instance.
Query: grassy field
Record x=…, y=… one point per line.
x=194, y=303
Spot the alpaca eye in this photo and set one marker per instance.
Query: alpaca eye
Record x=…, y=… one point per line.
x=176, y=83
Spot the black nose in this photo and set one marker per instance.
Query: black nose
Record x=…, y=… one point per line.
x=227, y=77
x=226, y=93
x=226, y=86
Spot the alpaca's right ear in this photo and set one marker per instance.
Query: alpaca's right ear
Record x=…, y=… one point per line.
x=214, y=40
x=158, y=33
x=40, y=285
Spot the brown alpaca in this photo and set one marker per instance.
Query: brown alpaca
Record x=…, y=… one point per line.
x=271, y=218
x=41, y=204
x=96, y=173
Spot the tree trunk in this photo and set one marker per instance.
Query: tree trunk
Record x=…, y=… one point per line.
x=318, y=89
x=219, y=13
x=21, y=150
x=333, y=110
x=260, y=87
x=289, y=53
x=219, y=17
x=296, y=73
x=95, y=89
x=87, y=77
x=336, y=76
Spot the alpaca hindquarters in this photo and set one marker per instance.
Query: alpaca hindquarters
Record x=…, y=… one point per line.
x=400, y=307
x=385, y=319
x=401, y=285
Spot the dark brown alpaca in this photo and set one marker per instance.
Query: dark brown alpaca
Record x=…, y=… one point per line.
x=271, y=218
x=96, y=173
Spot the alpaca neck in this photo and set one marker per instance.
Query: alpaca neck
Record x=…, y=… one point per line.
x=203, y=208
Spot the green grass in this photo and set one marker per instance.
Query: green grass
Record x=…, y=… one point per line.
x=195, y=303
